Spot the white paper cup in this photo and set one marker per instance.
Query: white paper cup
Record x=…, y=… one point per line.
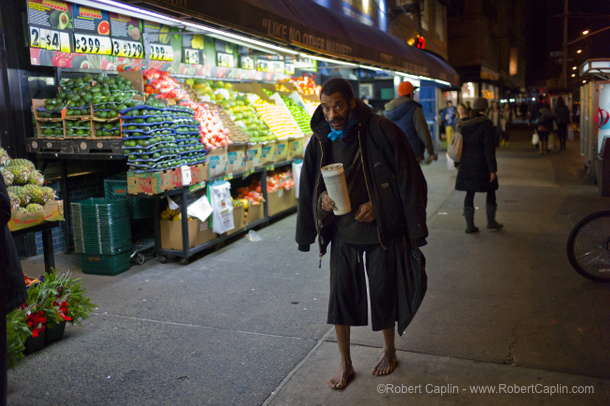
x=334, y=178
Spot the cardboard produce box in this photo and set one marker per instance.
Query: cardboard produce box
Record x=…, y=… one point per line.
x=280, y=200
x=253, y=156
x=255, y=212
x=217, y=162
x=268, y=152
x=295, y=148
x=236, y=158
x=198, y=233
x=152, y=183
x=281, y=150
x=199, y=173
x=38, y=103
x=238, y=220
x=52, y=211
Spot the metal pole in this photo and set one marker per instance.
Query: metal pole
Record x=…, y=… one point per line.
x=564, y=53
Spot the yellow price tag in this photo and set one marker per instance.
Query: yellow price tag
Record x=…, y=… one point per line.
x=191, y=56
x=129, y=49
x=161, y=52
x=92, y=44
x=38, y=37
x=52, y=40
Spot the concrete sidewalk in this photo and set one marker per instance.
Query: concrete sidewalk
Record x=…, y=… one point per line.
x=245, y=325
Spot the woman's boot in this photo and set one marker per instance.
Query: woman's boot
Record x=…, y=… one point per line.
x=469, y=214
x=492, y=224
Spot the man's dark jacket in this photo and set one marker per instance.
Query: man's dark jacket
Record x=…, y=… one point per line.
x=402, y=115
x=395, y=182
x=12, y=284
x=397, y=190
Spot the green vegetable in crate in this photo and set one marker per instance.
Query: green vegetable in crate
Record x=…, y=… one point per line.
x=21, y=174
x=37, y=194
x=36, y=178
x=33, y=207
x=20, y=162
x=22, y=194
x=8, y=176
x=22, y=210
x=15, y=202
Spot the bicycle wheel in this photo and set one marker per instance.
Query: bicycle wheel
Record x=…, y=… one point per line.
x=589, y=246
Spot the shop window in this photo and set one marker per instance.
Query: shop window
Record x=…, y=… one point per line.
x=439, y=21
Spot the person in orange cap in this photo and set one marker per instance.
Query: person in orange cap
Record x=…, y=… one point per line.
x=408, y=114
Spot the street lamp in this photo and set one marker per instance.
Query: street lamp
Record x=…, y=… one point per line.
x=585, y=32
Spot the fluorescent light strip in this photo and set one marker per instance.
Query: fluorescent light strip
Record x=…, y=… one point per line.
x=240, y=38
x=322, y=59
x=121, y=7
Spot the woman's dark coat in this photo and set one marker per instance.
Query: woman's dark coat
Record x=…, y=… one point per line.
x=12, y=284
x=478, y=156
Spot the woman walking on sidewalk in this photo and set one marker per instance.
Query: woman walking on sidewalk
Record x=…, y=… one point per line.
x=477, y=168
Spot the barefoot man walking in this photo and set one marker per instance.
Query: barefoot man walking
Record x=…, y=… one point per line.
x=381, y=234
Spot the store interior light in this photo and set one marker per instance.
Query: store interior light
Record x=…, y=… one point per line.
x=574, y=68
x=579, y=51
x=573, y=75
x=585, y=32
x=442, y=82
x=123, y=8
x=584, y=81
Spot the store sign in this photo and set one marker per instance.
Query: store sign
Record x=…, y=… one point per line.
x=161, y=46
x=192, y=47
x=126, y=33
x=367, y=12
x=50, y=25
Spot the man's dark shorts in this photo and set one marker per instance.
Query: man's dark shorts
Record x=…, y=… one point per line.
x=348, y=300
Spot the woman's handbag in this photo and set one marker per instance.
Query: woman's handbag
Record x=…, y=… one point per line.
x=454, y=149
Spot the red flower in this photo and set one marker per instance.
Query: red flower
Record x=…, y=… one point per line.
x=36, y=322
x=62, y=309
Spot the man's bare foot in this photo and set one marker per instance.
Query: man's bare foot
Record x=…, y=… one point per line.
x=386, y=364
x=342, y=377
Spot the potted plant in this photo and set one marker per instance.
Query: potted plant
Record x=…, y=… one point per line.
x=52, y=301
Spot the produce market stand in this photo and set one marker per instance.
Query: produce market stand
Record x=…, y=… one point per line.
x=46, y=229
x=186, y=251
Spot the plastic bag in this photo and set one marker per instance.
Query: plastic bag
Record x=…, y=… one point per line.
x=220, y=198
x=535, y=139
x=450, y=164
x=296, y=176
x=570, y=133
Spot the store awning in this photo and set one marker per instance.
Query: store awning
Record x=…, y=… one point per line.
x=315, y=29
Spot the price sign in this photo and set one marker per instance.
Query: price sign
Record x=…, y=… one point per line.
x=191, y=56
x=289, y=69
x=90, y=44
x=225, y=60
x=52, y=40
x=161, y=52
x=129, y=49
x=247, y=62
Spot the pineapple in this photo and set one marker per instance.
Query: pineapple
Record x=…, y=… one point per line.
x=4, y=158
x=15, y=202
x=50, y=193
x=22, y=162
x=36, y=178
x=33, y=207
x=21, y=174
x=8, y=176
x=22, y=210
x=22, y=194
x=37, y=194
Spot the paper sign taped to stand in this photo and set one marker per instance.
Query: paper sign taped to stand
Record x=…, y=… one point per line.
x=200, y=208
x=171, y=204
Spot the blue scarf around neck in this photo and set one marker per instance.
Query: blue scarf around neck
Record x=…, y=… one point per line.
x=335, y=135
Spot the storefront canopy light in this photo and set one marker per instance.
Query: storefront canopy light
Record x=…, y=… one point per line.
x=116, y=7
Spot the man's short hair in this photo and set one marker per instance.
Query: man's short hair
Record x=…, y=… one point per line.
x=335, y=85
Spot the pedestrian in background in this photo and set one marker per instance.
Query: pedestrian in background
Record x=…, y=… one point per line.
x=468, y=107
x=12, y=284
x=462, y=111
x=408, y=115
x=477, y=169
x=543, y=120
x=507, y=120
x=449, y=117
x=495, y=115
x=388, y=196
x=562, y=118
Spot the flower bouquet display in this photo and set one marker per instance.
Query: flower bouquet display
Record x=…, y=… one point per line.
x=52, y=301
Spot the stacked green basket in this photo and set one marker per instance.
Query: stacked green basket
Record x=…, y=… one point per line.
x=102, y=235
x=115, y=188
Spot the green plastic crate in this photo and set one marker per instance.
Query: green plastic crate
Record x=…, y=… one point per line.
x=105, y=264
x=115, y=187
